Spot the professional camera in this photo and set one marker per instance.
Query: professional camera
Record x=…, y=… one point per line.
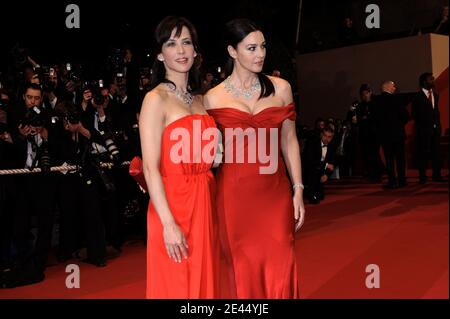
x=120, y=80
x=44, y=157
x=95, y=88
x=91, y=167
x=34, y=117
x=354, y=106
x=73, y=117
x=73, y=74
x=111, y=146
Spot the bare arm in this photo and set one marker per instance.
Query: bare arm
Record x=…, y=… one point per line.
x=151, y=127
x=291, y=154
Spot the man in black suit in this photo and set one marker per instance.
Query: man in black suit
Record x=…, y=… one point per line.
x=425, y=112
x=370, y=145
x=318, y=158
x=391, y=117
x=34, y=145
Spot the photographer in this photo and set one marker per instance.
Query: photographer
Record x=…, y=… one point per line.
x=367, y=131
x=4, y=108
x=6, y=161
x=53, y=91
x=34, y=195
x=88, y=188
x=121, y=118
x=96, y=118
x=319, y=161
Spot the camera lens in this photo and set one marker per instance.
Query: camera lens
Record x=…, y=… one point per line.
x=99, y=99
x=111, y=147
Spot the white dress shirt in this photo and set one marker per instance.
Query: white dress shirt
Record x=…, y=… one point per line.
x=324, y=151
x=31, y=154
x=427, y=94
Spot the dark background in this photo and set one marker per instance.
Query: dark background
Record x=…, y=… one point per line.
x=40, y=26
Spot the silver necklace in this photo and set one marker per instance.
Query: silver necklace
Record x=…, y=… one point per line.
x=237, y=92
x=185, y=97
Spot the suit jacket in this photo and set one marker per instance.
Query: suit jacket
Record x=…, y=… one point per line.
x=425, y=117
x=312, y=156
x=391, y=116
x=20, y=145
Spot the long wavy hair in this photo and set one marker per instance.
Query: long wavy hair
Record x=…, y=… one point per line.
x=235, y=31
x=162, y=35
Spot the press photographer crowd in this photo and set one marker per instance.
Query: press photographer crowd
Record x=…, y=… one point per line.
x=53, y=116
x=50, y=116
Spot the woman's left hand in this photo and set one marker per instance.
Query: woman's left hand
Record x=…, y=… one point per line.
x=299, y=209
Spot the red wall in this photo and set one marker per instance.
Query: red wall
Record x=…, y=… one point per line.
x=442, y=89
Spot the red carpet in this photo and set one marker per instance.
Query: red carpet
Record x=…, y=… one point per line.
x=404, y=232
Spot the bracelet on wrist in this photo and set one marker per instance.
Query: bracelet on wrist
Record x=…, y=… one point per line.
x=298, y=185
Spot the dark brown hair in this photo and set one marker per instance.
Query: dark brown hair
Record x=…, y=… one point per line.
x=162, y=35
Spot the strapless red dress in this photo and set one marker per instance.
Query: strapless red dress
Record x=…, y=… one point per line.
x=255, y=213
x=190, y=190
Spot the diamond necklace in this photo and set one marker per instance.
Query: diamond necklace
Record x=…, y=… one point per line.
x=185, y=97
x=237, y=92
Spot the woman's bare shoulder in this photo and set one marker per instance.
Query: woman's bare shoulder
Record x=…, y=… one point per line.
x=283, y=89
x=279, y=83
x=155, y=97
x=212, y=98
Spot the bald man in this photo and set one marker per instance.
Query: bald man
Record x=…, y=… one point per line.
x=391, y=117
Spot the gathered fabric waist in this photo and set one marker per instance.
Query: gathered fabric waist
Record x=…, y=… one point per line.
x=187, y=174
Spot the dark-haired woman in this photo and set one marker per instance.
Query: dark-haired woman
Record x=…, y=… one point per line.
x=182, y=244
x=259, y=208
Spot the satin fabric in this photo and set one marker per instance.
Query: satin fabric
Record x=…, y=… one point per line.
x=190, y=191
x=255, y=210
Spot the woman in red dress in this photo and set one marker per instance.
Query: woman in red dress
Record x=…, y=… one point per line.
x=182, y=246
x=259, y=208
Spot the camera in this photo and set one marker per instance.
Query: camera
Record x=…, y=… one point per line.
x=107, y=182
x=73, y=74
x=354, y=106
x=43, y=74
x=95, y=88
x=111, y=146
x=91, y=168
x=33, y=117
x=120, y=80
x=98, y=98
x=44, y=157
x=73, y=117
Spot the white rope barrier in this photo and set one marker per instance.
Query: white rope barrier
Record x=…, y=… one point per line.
x=62, y=168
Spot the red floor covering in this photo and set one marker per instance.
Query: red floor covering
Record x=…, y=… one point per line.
x=404, y=232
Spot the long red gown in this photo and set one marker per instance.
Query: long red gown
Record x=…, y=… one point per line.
x=190, y=190
x=255, y=213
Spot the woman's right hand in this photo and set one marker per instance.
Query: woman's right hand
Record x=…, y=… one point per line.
x=175, y=242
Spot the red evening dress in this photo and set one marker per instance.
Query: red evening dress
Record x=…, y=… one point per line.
x=255, y=211
x=190, y=191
